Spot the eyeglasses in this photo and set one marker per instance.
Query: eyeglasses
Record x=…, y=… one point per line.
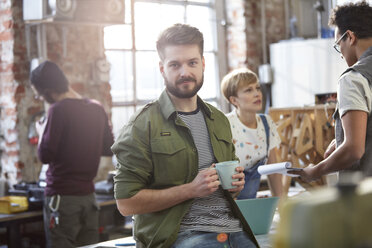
x=336, y=46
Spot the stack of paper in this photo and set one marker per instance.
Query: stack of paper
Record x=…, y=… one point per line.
x=281, y=168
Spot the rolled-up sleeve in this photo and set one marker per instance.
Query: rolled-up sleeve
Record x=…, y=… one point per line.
x=134, y=168
x=354, y=93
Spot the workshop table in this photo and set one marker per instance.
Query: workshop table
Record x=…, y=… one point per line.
x=13, y=222
x=265, y=241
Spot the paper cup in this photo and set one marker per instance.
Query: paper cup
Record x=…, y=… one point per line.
x=225, y=171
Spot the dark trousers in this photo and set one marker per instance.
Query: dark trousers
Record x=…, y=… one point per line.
x=78, y=221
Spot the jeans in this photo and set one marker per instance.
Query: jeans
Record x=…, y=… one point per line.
x=252, y=181
x=192, y=239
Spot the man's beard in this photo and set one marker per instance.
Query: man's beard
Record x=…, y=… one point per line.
x=177, y=92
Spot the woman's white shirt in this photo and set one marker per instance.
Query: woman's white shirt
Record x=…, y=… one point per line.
x=250, y=143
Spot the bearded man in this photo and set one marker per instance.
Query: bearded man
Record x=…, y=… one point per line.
x=166, y=153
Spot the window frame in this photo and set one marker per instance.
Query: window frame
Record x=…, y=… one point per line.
x=220, y=54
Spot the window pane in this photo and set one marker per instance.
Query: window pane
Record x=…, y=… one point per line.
x=209, y=89
x=149, y=80
x=203, y=18
x=120, y=117
x=151, y=19
x=196, y=1
x=121, y=79
x=127, y=10
x=202, y=1
x=118, y=37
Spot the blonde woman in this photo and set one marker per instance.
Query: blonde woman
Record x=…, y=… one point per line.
x=254, y=135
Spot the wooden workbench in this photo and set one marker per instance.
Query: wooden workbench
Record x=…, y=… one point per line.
x=13, y=222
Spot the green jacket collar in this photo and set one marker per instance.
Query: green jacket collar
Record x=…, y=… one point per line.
x=168, y=109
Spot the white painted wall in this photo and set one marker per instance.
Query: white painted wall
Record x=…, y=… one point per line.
x=302, y=69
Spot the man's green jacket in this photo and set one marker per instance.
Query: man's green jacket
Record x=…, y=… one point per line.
x=155, y=150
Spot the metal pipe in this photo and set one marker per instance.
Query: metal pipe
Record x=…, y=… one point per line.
x=263, y=32
x=134, y=66
x=286, y=18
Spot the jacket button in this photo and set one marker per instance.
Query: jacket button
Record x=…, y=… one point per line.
x=194, y=149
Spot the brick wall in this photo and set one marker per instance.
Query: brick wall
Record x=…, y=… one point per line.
x=18, y=158
x=236, y=35
x=245, y=31
x=76, y=49
x=15, y=97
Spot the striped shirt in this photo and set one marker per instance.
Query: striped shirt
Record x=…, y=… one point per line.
x=211, y=213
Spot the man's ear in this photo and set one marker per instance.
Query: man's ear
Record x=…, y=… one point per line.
x=161, y=67
x=352, y=36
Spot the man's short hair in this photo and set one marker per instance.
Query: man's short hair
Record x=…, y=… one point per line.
x=356, y=17
x=236, y=79
x=179, y=34
x=48, y=76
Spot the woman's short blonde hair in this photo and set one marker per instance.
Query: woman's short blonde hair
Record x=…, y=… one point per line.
x=236, y=79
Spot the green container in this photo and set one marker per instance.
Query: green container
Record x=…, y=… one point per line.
x=259, y=213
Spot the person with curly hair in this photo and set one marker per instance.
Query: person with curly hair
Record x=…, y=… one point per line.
x=352, y=147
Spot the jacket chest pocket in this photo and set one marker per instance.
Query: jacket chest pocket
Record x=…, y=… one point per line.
x=170, y=161
x=223, y=148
